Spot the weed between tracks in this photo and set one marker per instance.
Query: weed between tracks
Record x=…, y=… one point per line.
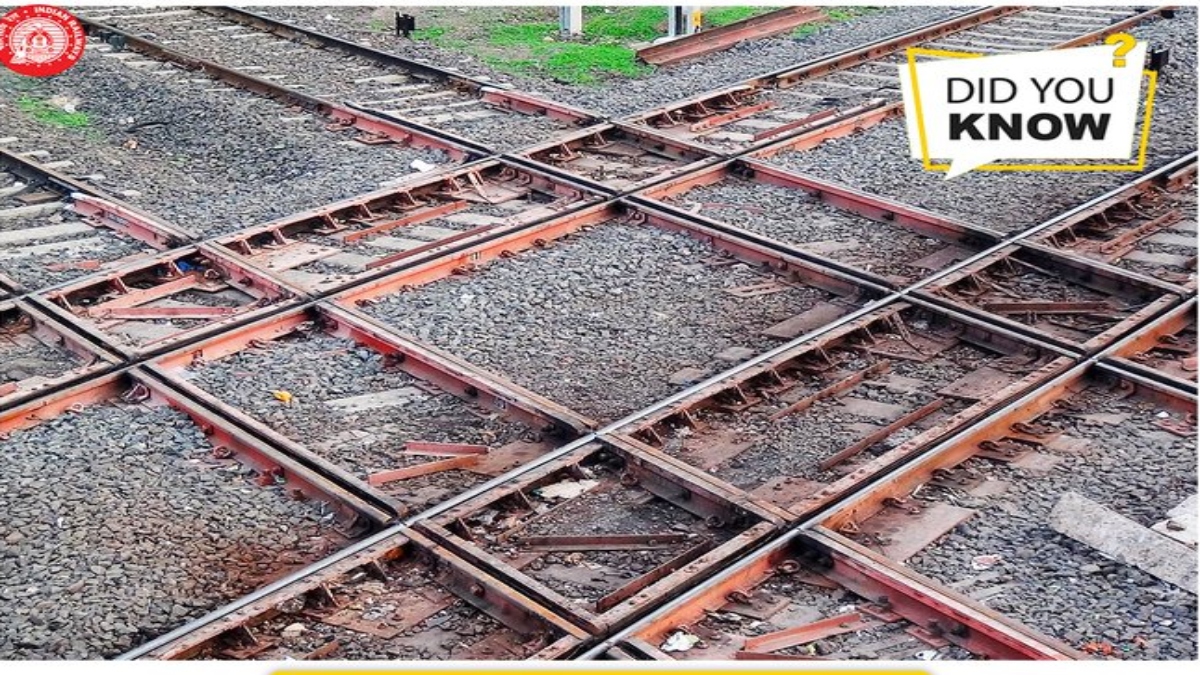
x=833, y=15
x=603, y=52
x=536, y=48
x=47, y=113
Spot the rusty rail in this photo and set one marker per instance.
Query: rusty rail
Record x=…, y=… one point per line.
x=722, y=38
x=519, y=603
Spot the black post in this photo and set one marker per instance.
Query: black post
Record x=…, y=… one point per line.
x=405, y=24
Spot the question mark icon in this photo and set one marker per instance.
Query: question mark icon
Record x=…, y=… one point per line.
x=1125, y=44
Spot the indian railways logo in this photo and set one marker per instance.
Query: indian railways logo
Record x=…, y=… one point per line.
x=40, y=40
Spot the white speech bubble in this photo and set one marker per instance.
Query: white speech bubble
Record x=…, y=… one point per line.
x=1071, y=104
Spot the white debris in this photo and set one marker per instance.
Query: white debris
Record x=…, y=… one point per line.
x=680, y=642
x=567, y=489
x=983, y=562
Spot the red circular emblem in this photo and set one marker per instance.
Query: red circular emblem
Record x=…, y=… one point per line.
x=40, y=40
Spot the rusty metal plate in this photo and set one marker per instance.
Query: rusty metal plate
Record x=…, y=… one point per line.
x=821, y=314
x=507, y=457
x=906, y=534
x=714, y=448
x=976, y=385
x=413, y=607
x=503, y=644
x=916, y=348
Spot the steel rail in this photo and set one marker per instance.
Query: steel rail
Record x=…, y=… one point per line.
x=294, y=32
x=370, y=121
x=615, y=426
x=875, y=50
x=611, y=427
x=479, y=490
x=1082, y=210
x=500, y=94
x=1119, y=354
x=817, y=68
x=723, y=37
x=170, y=234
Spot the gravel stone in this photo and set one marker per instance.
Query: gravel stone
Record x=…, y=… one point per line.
x=598, y=321
x=206, y=157
x=33, y=271
x=364, y=441
x=624, y=96
x=795, y=445
x=337, y=76
x=877, y=159
x=447, y=634
x=804, y=221
x=23, y=356
x=1054, y=583
x=118, y=527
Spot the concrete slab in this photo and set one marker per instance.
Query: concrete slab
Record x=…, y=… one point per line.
x=1168, y=259
x=977, y=384
x=472, y=219
x=1180, y=524
x=687, y=375
x=13, y=237
x=69, y=247
x=392, y=398
x=294, y=255
x=395, y=243
x=735, y=354
x=305, y=280
x=787, y=491
x=831, y=246
x=350, y=261
x=1173, y=239
x=902, y=383
x=1125, y=541
x=31, y=211
x=429, y=232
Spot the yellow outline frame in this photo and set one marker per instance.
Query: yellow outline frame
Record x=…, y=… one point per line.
x=928, y=164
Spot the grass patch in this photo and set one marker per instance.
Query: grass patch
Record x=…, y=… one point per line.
x=570, y=62
x=833, y=15
x=48, y=114
x=537, y=49
x=723, y=16
x=626, y=24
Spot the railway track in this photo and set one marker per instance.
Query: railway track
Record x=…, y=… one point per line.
x=331, y=69
x=860, y=87
x=1149, y=230
x=56, y=228
x=611, y=395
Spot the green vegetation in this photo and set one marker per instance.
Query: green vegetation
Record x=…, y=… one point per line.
x=629, y=24
x=51, y=115
x=833, y=15
x=536, y=48
x=723, y=16
x=528, y=42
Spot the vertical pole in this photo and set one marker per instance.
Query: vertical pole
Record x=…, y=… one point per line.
x=674, y=24
x=682, y=20
x=570, y=20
